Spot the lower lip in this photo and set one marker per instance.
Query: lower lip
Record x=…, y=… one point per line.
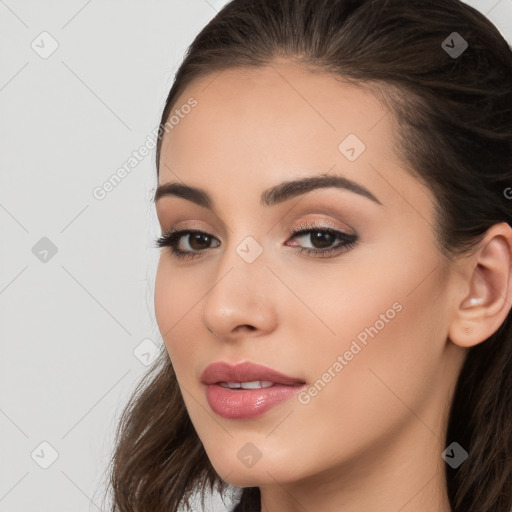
x=243, y=404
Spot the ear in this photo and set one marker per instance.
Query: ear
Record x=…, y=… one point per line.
x=488, y=277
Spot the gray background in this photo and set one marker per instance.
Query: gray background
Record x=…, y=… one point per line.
x=77, y=327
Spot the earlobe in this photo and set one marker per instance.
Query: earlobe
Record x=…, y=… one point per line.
x=488, y=273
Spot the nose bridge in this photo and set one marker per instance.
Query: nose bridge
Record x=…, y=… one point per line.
x=240, y=293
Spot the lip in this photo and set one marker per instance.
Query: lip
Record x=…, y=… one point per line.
x=244, y=372
x=246, y=403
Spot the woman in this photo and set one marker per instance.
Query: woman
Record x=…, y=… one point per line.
x=334, y=287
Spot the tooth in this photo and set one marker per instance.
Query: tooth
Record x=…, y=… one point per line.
x=255, y=384
x=233, y=385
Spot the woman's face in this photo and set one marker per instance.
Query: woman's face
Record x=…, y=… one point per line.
x=360, y=328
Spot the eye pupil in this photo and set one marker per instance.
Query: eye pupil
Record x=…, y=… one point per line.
x=199, y=237
x=323, y=238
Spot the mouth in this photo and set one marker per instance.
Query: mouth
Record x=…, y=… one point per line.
x=255, y=384
x=246, y=390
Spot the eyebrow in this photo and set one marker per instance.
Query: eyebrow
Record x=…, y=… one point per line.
x=272, y=196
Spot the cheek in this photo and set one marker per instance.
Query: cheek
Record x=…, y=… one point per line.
x=388, y=344
x=175, y=298
x=357, y=404
x=165, y=299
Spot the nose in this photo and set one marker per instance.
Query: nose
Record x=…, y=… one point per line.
x=239, y=302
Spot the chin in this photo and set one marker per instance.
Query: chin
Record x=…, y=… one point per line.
x=262, y=472
x=245, y=478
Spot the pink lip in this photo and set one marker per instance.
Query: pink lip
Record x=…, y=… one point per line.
x=246, y=403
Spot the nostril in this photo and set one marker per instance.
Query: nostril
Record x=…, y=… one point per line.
x=246, y=326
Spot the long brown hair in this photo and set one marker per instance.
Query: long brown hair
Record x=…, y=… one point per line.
x=453, y=120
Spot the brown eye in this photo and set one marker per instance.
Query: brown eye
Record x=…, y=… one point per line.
x=199, y=241
x=322, y=239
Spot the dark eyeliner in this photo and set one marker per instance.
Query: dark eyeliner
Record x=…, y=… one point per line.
x=348, y=241
x=171, y=239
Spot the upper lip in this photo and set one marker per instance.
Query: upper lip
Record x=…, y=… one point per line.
x=244, y=372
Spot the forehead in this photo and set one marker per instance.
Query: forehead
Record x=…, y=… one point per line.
x=261, y=126
x=274, y=113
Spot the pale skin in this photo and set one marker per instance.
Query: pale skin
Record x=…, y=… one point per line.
x=372, y=438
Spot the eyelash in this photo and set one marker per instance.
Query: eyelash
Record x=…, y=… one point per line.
x=348, y=241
